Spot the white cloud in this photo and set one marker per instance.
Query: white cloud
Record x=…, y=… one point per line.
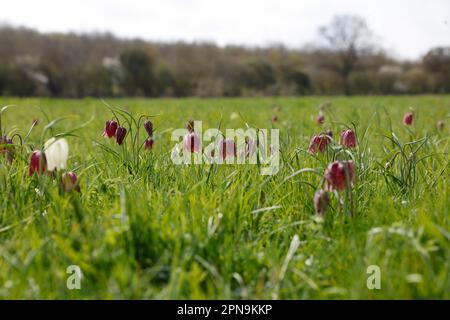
x=408, y=28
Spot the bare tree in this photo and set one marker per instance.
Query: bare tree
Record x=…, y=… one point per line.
x=349, y=37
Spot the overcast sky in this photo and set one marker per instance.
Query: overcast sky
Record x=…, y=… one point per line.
x=406, y=28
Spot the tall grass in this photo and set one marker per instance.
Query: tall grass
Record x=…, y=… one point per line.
x=143, y=227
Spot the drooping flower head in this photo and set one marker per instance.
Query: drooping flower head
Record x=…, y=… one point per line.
x=110, y=129
x=318, y=143
x=120, y=135
x=227, y=149
x=69, y=182
x=440, y=125
x=148, y=125
x=191, y=142
x=348, y=138
x=340, y=174
x=56, y=153
x=408, y=118
x=321, y=201
x=274, y=118
x=148, y=144
x=38, y=163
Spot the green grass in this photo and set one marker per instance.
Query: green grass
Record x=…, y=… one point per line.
x=154, y=232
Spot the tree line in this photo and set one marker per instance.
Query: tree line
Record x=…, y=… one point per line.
x=344, y=61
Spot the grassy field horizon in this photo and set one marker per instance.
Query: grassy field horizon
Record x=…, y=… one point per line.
x=143, y=227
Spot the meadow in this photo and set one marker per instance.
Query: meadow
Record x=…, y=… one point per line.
x=142, y=227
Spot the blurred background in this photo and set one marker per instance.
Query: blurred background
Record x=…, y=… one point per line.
x=202, y=48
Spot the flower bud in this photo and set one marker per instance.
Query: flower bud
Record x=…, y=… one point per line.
x=348, y=138
x=408, y=119
x=106, y=130
x=38, y=163
x=148, y=125
x=340, y=174
x=69, y=182
x=120, y=135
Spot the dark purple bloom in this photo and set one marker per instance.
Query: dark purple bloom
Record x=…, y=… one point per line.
x=120, y=135
x=148, y=144
x=148, y=125
x=110, y=129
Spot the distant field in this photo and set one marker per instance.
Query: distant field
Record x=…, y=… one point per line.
x=145, y=228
